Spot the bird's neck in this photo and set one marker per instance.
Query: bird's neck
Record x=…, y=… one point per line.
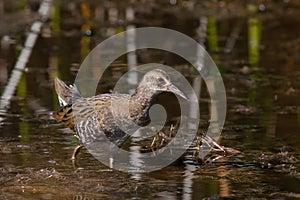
x=140, y=102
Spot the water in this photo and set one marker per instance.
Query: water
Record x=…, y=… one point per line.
x=257, y=53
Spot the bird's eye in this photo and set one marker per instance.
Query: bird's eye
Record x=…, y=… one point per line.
x=161, y=80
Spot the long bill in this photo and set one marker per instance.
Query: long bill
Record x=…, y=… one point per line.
x=172, y=88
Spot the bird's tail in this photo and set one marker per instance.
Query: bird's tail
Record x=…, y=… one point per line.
x=66, y=94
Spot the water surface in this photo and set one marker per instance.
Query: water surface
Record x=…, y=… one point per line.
x=256, y=48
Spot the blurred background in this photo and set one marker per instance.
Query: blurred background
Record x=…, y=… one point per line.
x=255, y=44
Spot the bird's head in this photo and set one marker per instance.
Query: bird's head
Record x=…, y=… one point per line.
x=159, y=81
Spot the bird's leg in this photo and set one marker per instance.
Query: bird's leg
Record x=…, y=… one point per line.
x=111, y=162
x=76, y=151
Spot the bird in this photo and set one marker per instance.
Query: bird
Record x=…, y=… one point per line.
x=90, y=116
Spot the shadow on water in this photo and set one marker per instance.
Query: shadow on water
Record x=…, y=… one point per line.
x=255, y=49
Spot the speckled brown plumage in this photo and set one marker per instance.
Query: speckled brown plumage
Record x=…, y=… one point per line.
x=92, y=116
